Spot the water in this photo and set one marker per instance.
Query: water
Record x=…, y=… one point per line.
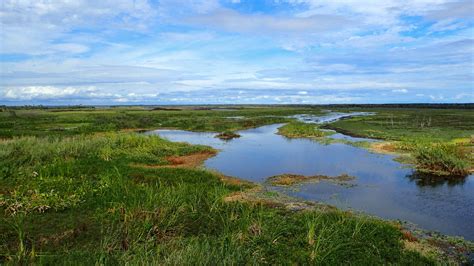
x=383, y=187
x=328, y=118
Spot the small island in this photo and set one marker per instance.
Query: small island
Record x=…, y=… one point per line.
x=227, y=135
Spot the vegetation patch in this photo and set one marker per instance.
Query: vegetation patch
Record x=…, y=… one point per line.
x=442, y=159
x=297, y=129
x=408, y=123
x=227, y=135
x=438, y=158
x=291, y=179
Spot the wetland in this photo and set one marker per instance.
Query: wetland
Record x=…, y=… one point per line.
x=237, y=184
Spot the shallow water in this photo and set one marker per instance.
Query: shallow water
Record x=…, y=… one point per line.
x=383, y=187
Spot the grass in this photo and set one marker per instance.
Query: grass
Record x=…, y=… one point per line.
x=74, y=189
x=439, y=158
x=61, y=122
x=296, y=129
x=78, y=200
x=409, y=123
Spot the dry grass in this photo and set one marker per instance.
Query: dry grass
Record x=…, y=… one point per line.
x=291, y=179
x=384, y=147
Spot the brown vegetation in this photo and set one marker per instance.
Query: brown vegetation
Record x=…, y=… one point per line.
x=291, y=179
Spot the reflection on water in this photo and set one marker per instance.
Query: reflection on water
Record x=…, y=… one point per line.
x=383, y=187
x=424, y=179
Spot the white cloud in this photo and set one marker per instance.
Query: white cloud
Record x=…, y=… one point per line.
x=137, y=50
x=32, y=26
x=225, y=19
x=44, y=92
x=400, y=91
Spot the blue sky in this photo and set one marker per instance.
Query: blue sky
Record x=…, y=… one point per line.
x=263, y=51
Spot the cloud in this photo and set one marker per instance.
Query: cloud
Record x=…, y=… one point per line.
x=44, y=92
x=186, y=51
x=32, y=27
x=229, y=20
x=400, y=91
x=452, y=10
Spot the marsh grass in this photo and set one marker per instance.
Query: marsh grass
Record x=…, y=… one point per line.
x=442, y=158
x=76, y=200
x=296, y=129
x=74, y=121
x=413, y=123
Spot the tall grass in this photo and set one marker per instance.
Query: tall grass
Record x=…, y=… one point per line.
x=81, y=202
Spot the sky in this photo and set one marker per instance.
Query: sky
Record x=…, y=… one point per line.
x=113, y=52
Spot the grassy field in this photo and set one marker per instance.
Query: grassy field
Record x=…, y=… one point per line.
x=63, y=121
x=409, y=123
x=76, y=189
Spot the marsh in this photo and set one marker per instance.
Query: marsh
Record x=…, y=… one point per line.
x=382, y=187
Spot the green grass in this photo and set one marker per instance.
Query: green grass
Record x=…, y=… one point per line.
x=61, y=122
x=70, y=191
x=78, y=200
x=296, y=129
x=403, y=123
x=439, y=158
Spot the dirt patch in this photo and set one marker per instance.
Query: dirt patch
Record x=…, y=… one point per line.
x=185, y=161
x=291, y=179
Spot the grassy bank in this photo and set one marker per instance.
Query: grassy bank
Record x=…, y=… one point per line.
x=296, y=129
x=83, y=200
